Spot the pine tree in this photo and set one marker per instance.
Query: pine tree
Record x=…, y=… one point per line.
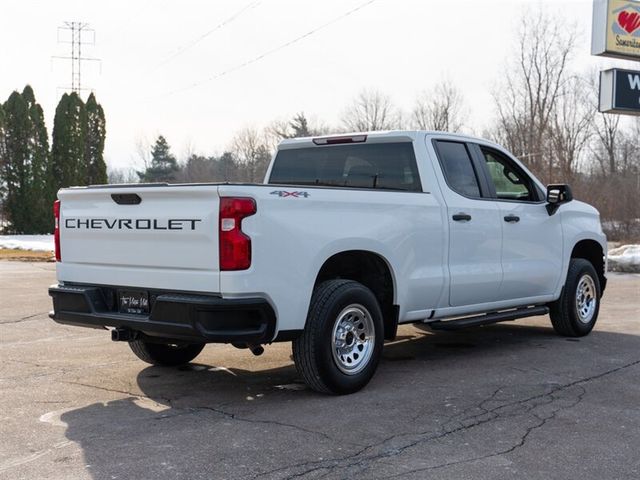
x=300, y=126
x=164, y=165
x=3, y=161
x=227, y=167
x=40, y=204
x=94, y=143
x=17, y=165
x=67, y=153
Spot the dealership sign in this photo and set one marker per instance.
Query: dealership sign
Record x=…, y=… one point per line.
x=620, y=91
x=616, y=29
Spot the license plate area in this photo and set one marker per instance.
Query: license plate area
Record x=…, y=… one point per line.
x=134, y=302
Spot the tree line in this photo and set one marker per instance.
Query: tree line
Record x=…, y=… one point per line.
x=545, y=113
x=30, y=172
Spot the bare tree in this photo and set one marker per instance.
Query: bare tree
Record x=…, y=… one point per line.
x=605, y=149
x=251, y=150
x=371, y=110
x=439, y=109
x=197, y=169
x=527, y=100
x=122, y=175
x=570, y=130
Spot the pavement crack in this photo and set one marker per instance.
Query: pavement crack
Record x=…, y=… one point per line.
x=235, y=417
x=542, y=421
x=188, y=410
x=28, y=317
x=364, y=457
x=124, y=392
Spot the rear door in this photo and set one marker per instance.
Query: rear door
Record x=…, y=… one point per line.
x=162, y=237
x=475, y=236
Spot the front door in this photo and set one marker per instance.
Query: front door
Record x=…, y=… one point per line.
x=531, y=238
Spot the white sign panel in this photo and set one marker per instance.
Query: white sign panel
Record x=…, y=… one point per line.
x=616, y=29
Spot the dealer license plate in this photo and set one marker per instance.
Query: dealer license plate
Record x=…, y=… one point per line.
x=135, y=302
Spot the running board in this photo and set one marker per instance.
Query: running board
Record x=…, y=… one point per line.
x=488, y=318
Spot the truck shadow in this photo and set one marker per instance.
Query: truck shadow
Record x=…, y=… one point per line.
x=203, y=421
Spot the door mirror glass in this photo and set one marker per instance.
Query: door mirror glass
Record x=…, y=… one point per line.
x=557, y=194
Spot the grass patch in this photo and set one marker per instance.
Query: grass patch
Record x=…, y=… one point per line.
x=25, y=255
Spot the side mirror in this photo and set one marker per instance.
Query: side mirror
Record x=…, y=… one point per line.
x=557, y=194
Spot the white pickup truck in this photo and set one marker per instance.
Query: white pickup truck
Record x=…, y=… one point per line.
x=348, y=237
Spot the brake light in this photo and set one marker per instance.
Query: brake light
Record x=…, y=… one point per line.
x=235, y=245
x=340, y=140
x=56, y=229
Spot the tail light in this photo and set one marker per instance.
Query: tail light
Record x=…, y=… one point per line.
x=56, y=229
x=235, y=246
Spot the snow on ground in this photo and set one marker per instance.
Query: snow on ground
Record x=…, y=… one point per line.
x=36, y=243
x=625, y=259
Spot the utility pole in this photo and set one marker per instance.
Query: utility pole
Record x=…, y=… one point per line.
x=78, y=33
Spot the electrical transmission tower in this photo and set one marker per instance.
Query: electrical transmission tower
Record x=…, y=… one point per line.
x=77, y=38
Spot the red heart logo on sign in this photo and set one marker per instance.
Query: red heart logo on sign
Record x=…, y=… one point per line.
x=630, y=21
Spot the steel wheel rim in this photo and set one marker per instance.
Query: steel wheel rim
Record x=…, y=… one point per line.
x=586, y=298
x=353, y=339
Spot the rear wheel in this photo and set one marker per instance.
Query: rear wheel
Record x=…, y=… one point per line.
x=341, y=345
x=165, y=354
x=575, y=313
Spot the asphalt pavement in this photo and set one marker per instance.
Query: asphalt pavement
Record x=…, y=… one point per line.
x=506, y=401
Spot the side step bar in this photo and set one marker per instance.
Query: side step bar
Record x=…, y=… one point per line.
x=488, y=318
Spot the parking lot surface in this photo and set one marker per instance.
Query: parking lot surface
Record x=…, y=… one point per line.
x=511, y=400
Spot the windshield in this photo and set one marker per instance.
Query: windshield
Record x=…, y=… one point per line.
x=386, y=166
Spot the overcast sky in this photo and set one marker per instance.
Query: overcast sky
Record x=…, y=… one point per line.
x=160, y=70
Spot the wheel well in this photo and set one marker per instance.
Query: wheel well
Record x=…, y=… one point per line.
x=592, y=251
x=371, y=270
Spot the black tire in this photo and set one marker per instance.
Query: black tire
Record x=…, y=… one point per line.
x=313, y=352
x=565, y=317
x=166, y=355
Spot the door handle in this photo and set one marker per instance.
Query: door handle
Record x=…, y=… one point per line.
x=461, y=217
x=512, y=218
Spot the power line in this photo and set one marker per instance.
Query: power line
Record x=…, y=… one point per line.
x=198, y=39
x=272, y=51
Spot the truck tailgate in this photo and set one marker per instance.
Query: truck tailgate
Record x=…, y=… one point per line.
x=163, y=237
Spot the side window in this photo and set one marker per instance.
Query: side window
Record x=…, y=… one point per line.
x=510, y=182
x=458, y=168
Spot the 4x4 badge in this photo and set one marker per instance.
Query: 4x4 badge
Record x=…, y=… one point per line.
x=284, y=193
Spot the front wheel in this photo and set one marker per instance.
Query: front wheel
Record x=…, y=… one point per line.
x=575, y=313
x=165, y=354
x=340, y=348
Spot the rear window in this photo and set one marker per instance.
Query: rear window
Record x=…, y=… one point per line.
x=385, y=166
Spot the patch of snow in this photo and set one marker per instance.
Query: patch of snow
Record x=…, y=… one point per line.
x=625, y=258
x=36, y=243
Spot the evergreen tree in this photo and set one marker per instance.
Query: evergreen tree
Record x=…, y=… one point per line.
x=300, y=126
x=3, y=161
x=41, y=214
x=24, y=163
x=68, y=166
x=164, y=165
x=227, y=167
x=94, y=143
x=17, y=168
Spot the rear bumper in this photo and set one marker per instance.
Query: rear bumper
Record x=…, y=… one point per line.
x=180, y=316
